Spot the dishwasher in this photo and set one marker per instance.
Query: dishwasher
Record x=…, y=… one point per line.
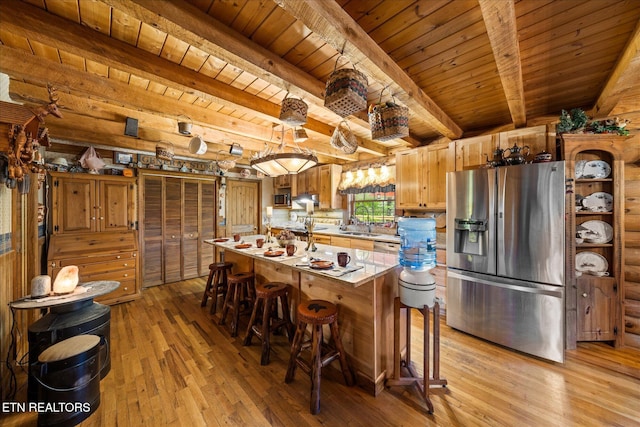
x=386, y=247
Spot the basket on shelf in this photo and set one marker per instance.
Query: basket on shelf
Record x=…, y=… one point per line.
x=293, y=111
x=388, y=121
x=346, y=92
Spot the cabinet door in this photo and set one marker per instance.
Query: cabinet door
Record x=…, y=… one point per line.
x=472, y=153
x=151, y=230
x=436, y=170
x=301, y=183
x=172, y=229
x=596, y=308
x=116, y=201
x=408, y=179
x=329, y=177
x=313, y=180
x=74, y=205
x=208, y=225
x=190, y=214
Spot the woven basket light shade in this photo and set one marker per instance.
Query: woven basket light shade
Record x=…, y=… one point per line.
x=346, y=92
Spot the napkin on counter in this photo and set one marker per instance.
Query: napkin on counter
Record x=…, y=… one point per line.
x=340, y=271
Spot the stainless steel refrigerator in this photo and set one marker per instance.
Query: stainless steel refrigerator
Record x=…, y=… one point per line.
x=505, y=256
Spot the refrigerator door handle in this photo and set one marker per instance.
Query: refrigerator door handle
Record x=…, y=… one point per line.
x=539, y=289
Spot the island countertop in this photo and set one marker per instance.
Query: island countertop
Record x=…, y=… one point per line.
x=364, y=266
x=365, y=297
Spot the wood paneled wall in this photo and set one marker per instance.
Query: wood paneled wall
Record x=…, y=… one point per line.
x=632, y=243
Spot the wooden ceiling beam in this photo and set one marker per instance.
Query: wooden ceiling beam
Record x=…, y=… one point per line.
x=22, y=65
x=189, y=24
x=37, y=24
x=500, y=20
x=623, y=78
x=329, y=21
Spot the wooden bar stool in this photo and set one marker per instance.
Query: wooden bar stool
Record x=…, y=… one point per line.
x=267, y=296
x=317, y=313
x=216, y=284
x=240, y=292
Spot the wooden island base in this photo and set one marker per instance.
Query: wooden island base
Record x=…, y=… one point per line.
x=365, y=305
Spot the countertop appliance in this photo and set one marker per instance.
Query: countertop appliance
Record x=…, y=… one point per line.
x=505, y=256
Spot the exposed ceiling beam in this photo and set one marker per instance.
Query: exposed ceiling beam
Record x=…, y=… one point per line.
x=328, y=20
x=191, y=25
x=500, y=20
x=37, y=24
x=22, y=65
x=622, y=79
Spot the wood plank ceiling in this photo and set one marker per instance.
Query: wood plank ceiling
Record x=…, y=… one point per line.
x=463, y=67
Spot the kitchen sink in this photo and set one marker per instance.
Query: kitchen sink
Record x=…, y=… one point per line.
x=358, y=233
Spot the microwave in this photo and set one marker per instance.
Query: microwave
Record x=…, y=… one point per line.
x=282, y=200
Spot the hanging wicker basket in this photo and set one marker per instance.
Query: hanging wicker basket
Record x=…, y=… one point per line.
x=293, y=111
x=343, y=139
x=346, y=92
x=388, y=121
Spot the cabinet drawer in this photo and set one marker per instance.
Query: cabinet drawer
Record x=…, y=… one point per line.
x=126, y=288
x=322, y=239
x=119, y=276
x=94, y=259
x=366, y=245
x=90, y=268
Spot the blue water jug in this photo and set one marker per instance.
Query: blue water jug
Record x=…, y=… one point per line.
x=417, y=243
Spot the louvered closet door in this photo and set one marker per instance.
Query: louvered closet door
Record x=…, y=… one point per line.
x=207, y=225
x=151, y=230
x=190, y=237
x=172, y=229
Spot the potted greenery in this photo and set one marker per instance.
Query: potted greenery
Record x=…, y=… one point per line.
x=577, y=121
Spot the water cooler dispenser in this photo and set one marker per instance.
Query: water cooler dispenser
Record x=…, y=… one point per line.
x=417, y=286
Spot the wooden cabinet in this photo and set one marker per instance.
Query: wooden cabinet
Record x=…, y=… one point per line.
x=329, y=178
x=283, y=181
x=308, y=182
x=178, y=215
x=84, y=203
x=99, y=256
x=420, y=177
x=594, y=303
x=347, y=242
x=473, y=153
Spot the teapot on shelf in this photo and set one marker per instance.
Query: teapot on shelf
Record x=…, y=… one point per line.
x=516, y=155
x=497, y=160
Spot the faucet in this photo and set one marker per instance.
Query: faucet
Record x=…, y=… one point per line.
x=366, y=211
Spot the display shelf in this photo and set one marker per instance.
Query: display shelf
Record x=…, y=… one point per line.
x=594, y=303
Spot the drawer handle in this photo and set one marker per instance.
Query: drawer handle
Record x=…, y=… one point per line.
x=93, y=218
x=134, y=254
x=101, y=218
x=126, y=288
x=117, y=256
x=584, y=295
x=125, y=275
x=173, y=236
x=125, y=264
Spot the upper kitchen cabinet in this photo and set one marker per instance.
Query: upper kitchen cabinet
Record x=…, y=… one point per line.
x=85, y=203
x=329, y=178
x=308, y=181
x=594, y=237
x=473, y=153
x=284, y=181
x=421, y=175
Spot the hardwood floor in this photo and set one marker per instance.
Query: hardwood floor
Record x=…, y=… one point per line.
x=172, y=365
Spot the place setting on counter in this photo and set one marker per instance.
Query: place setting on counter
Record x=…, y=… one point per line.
x=328, y=267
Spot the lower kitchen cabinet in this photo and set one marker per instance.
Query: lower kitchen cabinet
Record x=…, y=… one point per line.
x=99, y=256
x=347, y=242
x=597, y=301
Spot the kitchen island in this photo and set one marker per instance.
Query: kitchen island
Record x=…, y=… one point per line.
x=364, y=296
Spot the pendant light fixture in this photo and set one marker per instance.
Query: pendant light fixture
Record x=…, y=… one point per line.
x=280, y=163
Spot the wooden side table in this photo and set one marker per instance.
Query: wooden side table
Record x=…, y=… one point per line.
x=426, y=382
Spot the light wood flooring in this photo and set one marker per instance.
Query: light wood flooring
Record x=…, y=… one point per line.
x=173, y=365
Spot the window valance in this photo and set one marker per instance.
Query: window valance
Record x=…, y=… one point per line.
x=380, y=179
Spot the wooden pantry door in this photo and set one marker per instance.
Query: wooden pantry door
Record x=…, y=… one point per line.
x=243, y=207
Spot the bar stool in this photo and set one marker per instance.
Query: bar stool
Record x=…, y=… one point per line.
x=216, y=284
x=240, y=292
x=317, y=313
x=267, y=296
